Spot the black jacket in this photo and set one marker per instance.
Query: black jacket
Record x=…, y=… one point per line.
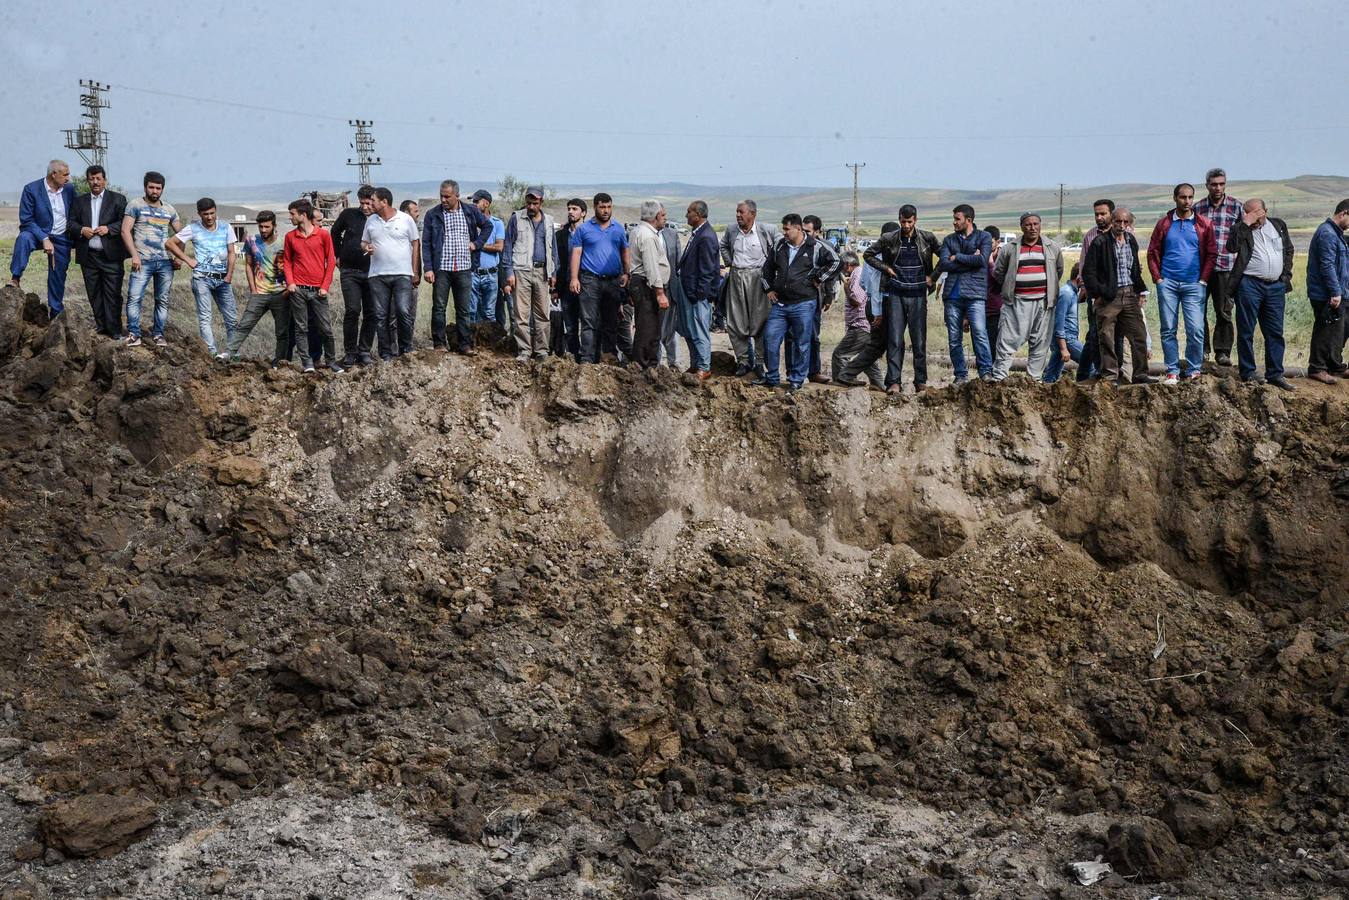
x=884, y=254
x=110, y=214
x=562, y=237
x=346, y=234
x=1240, y=241
x=1100, y=272
x=800, y=279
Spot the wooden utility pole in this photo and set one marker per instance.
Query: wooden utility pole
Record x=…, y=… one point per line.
x=855, y=167
x=1061, y=196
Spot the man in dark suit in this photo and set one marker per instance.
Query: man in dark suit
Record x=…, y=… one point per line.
x=699, y=279
x=94, y=227
x=42, y=224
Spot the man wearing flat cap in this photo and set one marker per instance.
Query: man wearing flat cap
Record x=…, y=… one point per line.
x=530, y=260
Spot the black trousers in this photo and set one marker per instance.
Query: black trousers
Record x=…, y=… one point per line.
x=358, y=314
x=646, y=315
x=601, y=298
x=1327, y=350
x=103, y=284
x=1220, y=300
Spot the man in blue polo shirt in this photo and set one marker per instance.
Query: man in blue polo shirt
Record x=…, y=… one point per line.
x=1181, y=257
x=599, y=266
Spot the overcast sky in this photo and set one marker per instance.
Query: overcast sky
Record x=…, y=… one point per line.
x=707, y=91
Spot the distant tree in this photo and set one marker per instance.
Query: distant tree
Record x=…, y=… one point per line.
x=82, y=185
x=511, y=193
x=1076, y=234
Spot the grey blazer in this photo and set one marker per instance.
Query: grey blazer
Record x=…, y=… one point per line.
x=768, y=235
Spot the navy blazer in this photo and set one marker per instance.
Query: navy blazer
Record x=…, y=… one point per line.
x=35, y=210
x=700, y=265
x=433, y=233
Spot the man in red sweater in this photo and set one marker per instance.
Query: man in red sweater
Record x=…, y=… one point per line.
x=309, y=267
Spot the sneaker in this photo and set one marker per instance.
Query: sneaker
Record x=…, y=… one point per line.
x=794, y=387
x=1281, y=383
x=223, y=356
x=133, y=340
x=335, y=368
x=522, y=356
x=741, y=371
x=540, y=357
x=1144, y=379
x=762, y=381
x=349, y=360
x=962, y=380
x=990, y=377
x=1193, y=376
x=160, y=342
x=364, y=359
x=1171, y=380
x=895, y=389
x=1223, y=359
x=309, y=368
x=837, y=379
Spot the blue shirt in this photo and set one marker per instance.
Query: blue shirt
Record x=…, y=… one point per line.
x=1180, y=256
x=211, y=247
x=488, y=260
x=871, y=283
x=600, y=247
x=1065, y=315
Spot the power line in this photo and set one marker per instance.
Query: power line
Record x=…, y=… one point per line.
x=963, y=137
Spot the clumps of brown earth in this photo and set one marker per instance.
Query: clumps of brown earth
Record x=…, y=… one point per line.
x=471, y=584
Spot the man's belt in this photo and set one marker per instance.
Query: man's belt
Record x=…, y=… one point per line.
x=599, y=276
x=487, y=271
x=542, y=265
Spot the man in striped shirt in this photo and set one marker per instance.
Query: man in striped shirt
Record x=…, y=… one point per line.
x=1029, y=272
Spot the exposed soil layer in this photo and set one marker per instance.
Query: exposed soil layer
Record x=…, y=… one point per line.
x=589, y=631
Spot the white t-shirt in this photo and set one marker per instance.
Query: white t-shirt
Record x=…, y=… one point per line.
x=393, y=243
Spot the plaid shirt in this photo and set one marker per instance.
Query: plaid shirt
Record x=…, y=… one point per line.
x=1124, y=261
x=1223, y=216
x=455, y=255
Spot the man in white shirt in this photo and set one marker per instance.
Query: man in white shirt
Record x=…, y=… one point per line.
x=745, y=248
x=394, y=244
x=42, y=224
x=1262, y=270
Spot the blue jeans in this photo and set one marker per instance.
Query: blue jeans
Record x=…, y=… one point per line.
x=698, y=324
x=1089, y=365
x=955, y=311
x=1054, y=368
x=205, y=289
x=161, y=272
x=797, y=322
x=24, y=246
x=484, y=308
x=1176, y=300
x=1260, y=302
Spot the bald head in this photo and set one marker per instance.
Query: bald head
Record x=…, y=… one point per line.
x=1254, y=213
x=1120, y=220
x=1256, y=205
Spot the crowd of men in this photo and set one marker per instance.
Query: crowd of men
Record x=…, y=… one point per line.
x=591, y=287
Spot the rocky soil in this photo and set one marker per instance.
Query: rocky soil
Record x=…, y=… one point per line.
x=464, y=627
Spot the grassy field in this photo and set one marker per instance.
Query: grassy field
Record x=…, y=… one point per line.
x=182, y=314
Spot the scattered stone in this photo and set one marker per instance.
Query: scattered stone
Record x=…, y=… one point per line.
x=240, y=470
x=96, y=824
x=644, y=836
x=1198, y=819
x=1250, y=767
x=464, y=823
x=1147, y=850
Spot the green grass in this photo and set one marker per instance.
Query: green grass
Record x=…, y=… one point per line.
x=182, y=313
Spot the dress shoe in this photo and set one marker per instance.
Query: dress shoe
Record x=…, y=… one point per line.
x=895, y=389
x=741, y=371
x=702, y=374
x=919, y=388
x=1323, y=377
x=761, y=381
x=819, y=378
x=1223, y=359
x=1281, y=383
x=1144, y=379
